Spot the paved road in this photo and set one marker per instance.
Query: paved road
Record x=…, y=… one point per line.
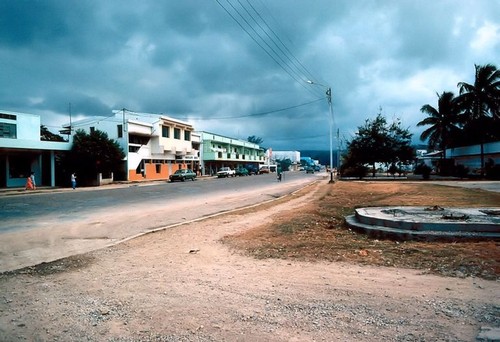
x=45, y=226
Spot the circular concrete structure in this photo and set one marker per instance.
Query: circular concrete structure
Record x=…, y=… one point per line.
x=427, y=223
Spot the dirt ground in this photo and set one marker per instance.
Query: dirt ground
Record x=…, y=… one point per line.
x=284, y=271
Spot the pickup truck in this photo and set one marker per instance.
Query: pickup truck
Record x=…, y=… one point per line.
x=225, y=172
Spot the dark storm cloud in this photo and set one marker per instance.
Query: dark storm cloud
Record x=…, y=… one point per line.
x=191, y=60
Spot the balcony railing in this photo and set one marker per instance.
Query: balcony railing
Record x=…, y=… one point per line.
x=232, y=156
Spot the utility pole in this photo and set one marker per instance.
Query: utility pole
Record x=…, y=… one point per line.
x=70, y=126
x=330, y=107
x=123, y=115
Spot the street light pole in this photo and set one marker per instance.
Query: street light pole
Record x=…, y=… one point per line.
x=330, y=108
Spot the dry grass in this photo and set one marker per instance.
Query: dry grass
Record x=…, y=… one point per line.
x=318, y=231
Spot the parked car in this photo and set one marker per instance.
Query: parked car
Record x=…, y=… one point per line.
x=252, y=169
x=264, y=169
x=182, y=175
x=225, y=172
x=310, y=169
x=241, y=171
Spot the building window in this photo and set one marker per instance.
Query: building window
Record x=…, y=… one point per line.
x=140, y=168
x=138, y=139
x=7, y=116
x=19, y=166
x=177, y=133
x=120, y=131
x=187, y=135
x=165, y=131
x=8, y=130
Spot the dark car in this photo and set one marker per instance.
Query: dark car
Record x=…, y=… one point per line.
x=310, y=169
x=252, y=170
x=241, y=171
x=182, y=175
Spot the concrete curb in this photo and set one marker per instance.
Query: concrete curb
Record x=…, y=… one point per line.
x=415, y=223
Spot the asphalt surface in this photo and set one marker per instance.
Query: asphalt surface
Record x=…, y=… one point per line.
x=52, y=223
x=49, y=224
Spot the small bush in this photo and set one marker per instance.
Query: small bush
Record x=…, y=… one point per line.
x=393, y=169
x=423, y=170
x=358, y=171
x=461, y=171
x=493, y=172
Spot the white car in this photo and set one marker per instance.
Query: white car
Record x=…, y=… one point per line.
x=226, y=172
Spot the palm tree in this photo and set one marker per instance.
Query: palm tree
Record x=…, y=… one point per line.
x=481, y=98
x=480, y=103
x=443, y=122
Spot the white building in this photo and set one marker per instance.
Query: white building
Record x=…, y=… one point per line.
x=294, y=157
x=22, y=151
x=218, y=151
x=155, y=146
x=470, y=156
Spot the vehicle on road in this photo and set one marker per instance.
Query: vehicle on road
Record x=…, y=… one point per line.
x=310, y=169
x=264, y=169
x=225, y=172
x=252, y=169
x=241, y=171
x=182, y=175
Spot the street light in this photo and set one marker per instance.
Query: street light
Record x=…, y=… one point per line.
x=329, y=99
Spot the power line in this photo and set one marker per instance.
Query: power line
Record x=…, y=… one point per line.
x=295, y=60
x=258, y=114
x=271, y=39
x=178, y=117
x=293, y=74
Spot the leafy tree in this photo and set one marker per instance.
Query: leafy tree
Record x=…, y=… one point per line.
x=284, y=164
x=46, y=135
x=443, y=122
x=92, y=154
x=480, y=103
x=255, y=140
x=378, y=142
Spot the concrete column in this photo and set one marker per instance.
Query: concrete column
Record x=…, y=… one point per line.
x=52, y=169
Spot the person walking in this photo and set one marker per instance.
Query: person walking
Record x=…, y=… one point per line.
x=32, y=176
x=73, y=181
x=30, y=182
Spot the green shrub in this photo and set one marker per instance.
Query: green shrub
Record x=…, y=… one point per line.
x=424, y=170
x=461, y=171
x=358, y=171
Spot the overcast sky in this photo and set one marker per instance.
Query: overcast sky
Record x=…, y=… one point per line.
x=240, y=67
